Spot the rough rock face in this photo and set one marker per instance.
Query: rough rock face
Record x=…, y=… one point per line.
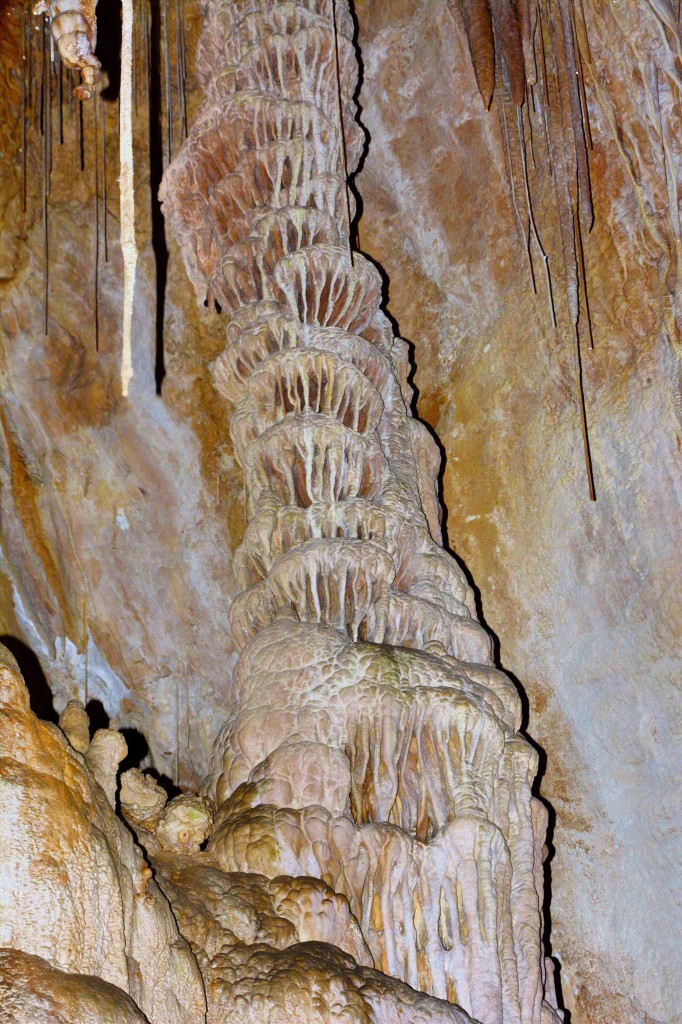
x=361, y=658
x=34, y=992
x=584, y=597
x=117, y=579
x=76, y=894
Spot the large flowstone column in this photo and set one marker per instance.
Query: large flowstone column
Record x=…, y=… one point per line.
x=371, y=742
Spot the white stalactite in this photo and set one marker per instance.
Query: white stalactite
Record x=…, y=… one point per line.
x=126, y=183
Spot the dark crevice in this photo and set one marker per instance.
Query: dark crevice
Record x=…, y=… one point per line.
x=39, y=692
x=155, y=174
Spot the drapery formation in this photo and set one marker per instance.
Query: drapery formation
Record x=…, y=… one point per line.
x=372, y=743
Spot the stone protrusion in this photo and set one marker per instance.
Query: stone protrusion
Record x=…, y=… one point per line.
x=142, y=799
x=371, y=744
x=106, y=751
x=74, y=722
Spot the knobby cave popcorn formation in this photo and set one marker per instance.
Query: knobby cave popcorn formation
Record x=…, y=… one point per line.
x=372, y=743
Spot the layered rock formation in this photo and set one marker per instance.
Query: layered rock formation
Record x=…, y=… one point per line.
x=373, y=744
x=85, y=932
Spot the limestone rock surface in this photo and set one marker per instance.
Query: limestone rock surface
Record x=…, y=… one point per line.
x=583, y=597
x=34, y=992
x=75, y=892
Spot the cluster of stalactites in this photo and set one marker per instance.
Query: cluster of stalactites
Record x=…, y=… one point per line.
x=530, y=53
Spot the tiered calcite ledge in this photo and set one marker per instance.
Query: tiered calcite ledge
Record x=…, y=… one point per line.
x=371, y=743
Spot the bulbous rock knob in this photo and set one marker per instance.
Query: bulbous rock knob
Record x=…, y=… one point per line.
x=106, y=751
x=142, y=799
x=185, y=824
x=75, y=724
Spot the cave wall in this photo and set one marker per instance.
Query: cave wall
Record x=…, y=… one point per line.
x=118, y=517
x=112, y=572
x=584, y=597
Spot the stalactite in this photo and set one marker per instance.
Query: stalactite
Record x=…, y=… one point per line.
x=127, y=189
x=528, y=15
x=566, y=51
x=45, y=109
x=581, y=80
x=95, y=148
x=342, y=134
x=514, y=178
x=168, y=94
x=544, y=106
x=507, y=32
x=24, y=106
x=73, y=27
x=523, y=32
x=103, y=140
x=543, y=254
x=478, y=27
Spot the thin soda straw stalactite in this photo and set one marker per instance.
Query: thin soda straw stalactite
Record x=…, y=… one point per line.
x=524, y=230
x=81, y=141
x=581, y=399
x=102, y=107
x=188, y=719
x=46, y=105
x=24, y=105
x=577, y=230
x=60, y=93
x=42, y=78
x=177, y=728
x=344, y=154
x=85, y=651
x=526, y=109
x=128, y=246
x=136, y=35
x=95, y=102
x=29, y=57
x=167, y=80
x=531, y=216
x=180, y=61
x=50, y=74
